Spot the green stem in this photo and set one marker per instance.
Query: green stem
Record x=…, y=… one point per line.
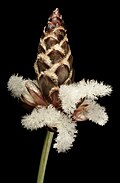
x=44, y=156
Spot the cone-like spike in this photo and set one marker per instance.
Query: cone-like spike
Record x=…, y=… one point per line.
x=53, y=65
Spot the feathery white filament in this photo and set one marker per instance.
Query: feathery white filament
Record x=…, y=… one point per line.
x=70, y=95
x=66, y=136
x=92, y=89
x=52, y=118
x=96, y=113
x=16, y=85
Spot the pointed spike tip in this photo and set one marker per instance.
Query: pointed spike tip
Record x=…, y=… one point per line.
x=56, y=10
x=54, y=20
x=56, y=13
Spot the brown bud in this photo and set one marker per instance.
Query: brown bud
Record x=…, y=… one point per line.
x=78, y=114
x=33, y=96
x=54, y=96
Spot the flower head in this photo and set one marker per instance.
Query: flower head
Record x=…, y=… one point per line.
x=56, y=101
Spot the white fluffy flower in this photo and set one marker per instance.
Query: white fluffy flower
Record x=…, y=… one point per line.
x=22, y=88
x=92, y=89
x=51, y=117
x=95, y=113
x=70, y=95
x=77, y=103
x=16, y=85
x=66, y=137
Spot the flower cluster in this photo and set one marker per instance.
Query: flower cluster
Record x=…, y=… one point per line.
x=54, y=99
x=78, y=102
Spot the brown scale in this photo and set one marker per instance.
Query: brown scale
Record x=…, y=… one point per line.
x=53, y=65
